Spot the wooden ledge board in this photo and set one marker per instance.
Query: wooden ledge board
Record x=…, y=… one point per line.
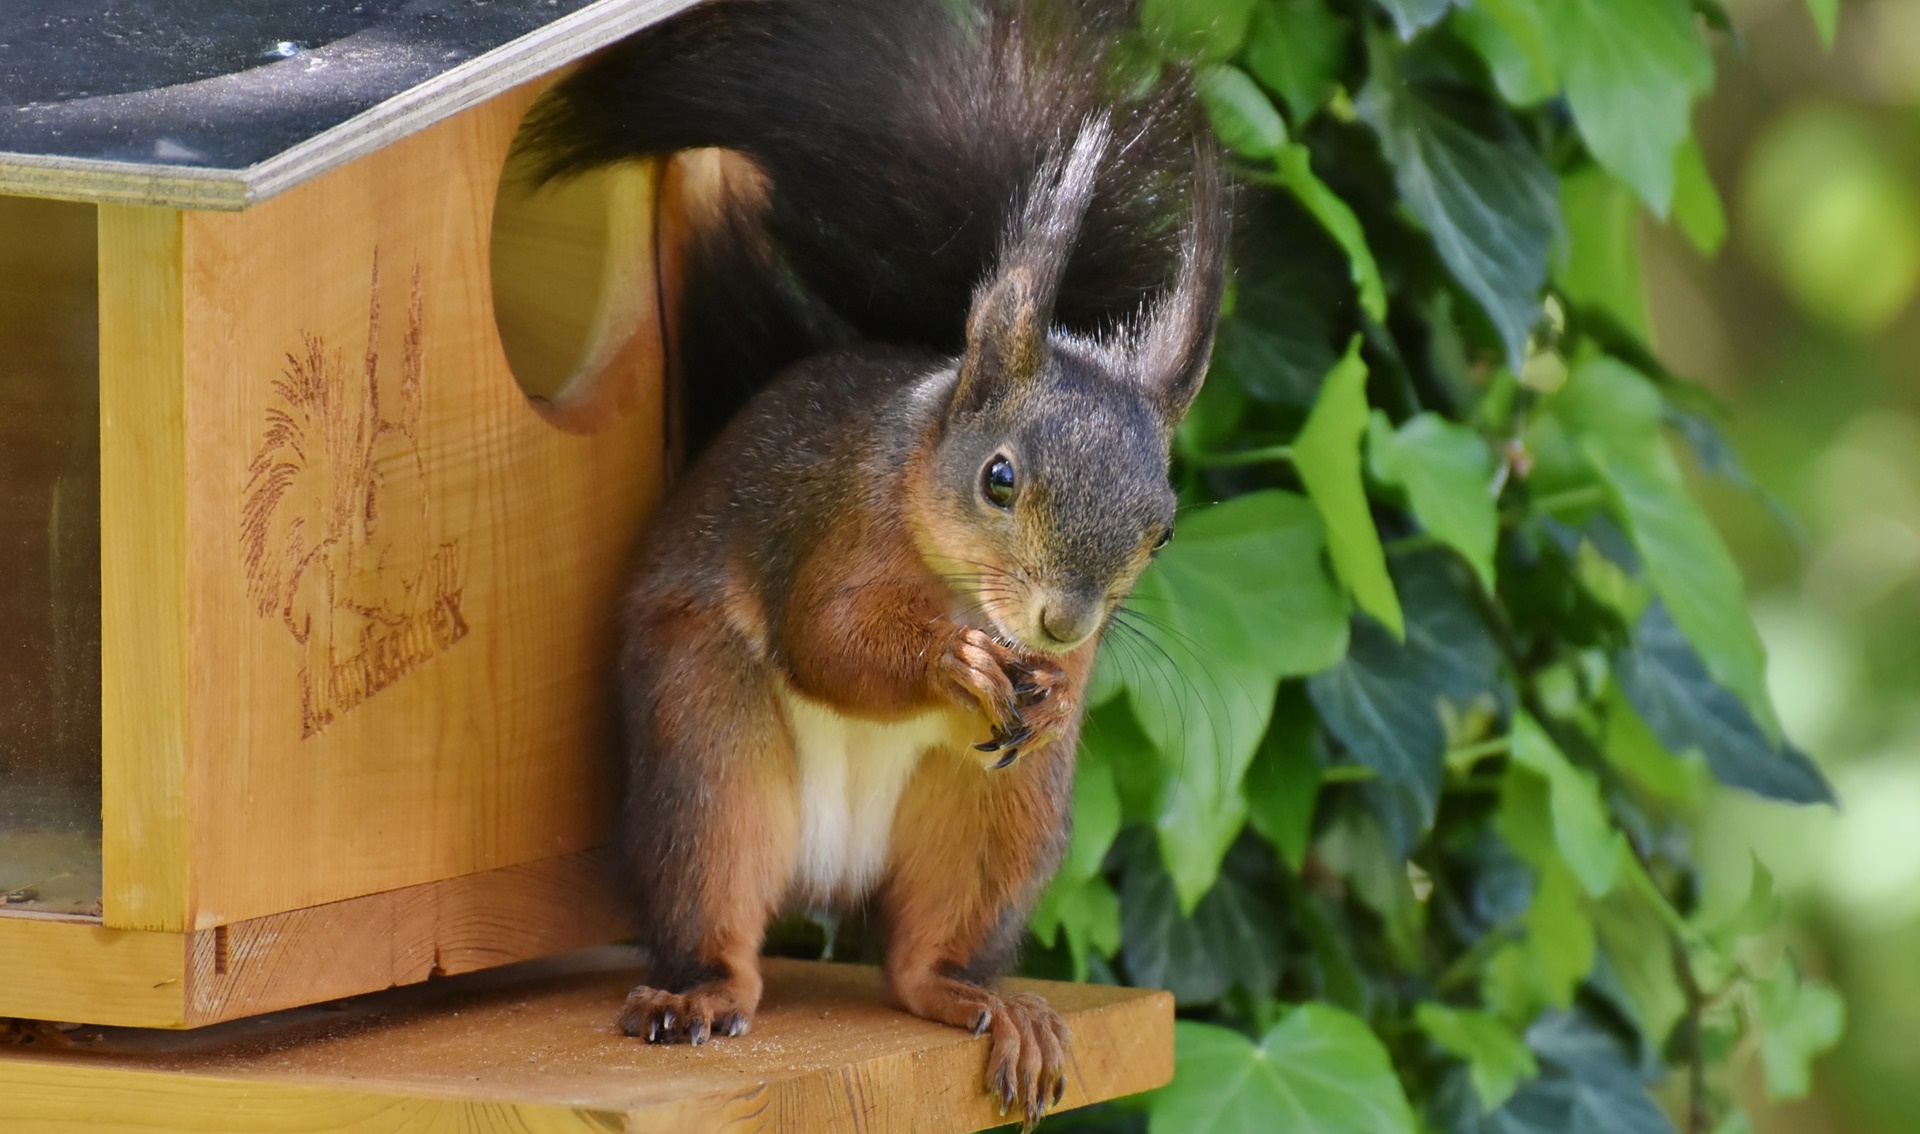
x=230, y=140
x=532, y=1049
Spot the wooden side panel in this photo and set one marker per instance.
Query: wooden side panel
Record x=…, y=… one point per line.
x=68, y=969
x=401, y=937
x=401, y=575
x=143, y=588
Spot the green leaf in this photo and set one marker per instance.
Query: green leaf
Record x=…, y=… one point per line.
x=1599, y=264
x=1632, y=69
x=1319, y=1071
x=1296, y=48
x=1197, y=29
x=1447, y=472
x=1283, y=783
x=1799, y=1021
x=1581, y=828
x=1240, y=111
x=1410, y=16
x=1096, y=816
x=1631, y=931
x=1480, y=188
x=1589, y=1086
x=1236, y=603
x=1633, y=748
x=1512, y=40
x=1087, y=911
x=1383, y=701
x=1616, y=415
x=1826, y=19
x=1277, y=344
x=1668, y=685
x=1559, y=946
x=1697, y=208
x=1227, y=943
x=1497, y=1059
x=1296, y=173
x=1327, y=455
x=1758, y=912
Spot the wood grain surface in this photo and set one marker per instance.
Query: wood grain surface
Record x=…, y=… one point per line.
x=533, y=1049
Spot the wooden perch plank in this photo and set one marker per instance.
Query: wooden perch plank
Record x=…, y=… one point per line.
x=532, y=1048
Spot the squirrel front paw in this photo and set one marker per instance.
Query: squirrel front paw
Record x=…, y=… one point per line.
x=1025, y=698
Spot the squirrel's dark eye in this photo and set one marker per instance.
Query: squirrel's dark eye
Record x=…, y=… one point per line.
x=997, y=481
x=1166, y=537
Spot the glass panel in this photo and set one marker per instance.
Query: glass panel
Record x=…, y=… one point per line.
x=49, y=558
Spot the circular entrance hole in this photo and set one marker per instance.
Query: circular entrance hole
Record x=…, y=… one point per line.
x=574, y=287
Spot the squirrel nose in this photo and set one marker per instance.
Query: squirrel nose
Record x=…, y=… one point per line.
x=1067, y=622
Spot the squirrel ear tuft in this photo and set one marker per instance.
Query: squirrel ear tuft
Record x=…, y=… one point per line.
x=1013, y=308
x=1176, y=338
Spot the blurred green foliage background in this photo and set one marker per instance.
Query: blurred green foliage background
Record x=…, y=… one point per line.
x=1807, y=326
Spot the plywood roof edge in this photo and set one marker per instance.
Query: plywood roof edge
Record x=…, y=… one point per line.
x=469, y=84
x=473, y=82
x=121, y=182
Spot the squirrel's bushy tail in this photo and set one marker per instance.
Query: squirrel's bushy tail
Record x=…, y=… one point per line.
x=895, y=141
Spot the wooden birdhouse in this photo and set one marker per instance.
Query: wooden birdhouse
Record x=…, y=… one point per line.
x=323, y=442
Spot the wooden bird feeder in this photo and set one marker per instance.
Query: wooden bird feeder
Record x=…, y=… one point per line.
x=324, y=440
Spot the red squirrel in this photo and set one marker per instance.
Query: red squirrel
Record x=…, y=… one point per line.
x=944, y=305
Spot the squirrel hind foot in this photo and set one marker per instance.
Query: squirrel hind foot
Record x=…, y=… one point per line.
x=692, y=1017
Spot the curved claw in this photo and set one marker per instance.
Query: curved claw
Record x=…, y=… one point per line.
x=1007, y=760
x=1002, y=740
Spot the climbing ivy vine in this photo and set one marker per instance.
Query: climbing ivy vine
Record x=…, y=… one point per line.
x=1392, y=758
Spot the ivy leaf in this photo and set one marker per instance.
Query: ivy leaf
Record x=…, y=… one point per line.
x=1087, y=911
x=1599, y=263
x=1240, y=111
x=1228, y=942
x=1411, y=16
x=1198, y=29
x=1277, y=341
x=1296, y=173
x=1383, y=701
x=1096, y=817
x=1826, y=19
x=1645, y=986
x=1319, y=1071
x=1799, y=1020
x=1236, y=603
x=1465, y=170
x=1296, y=47
x=1512, y=40
x=1446, y=471
x=1581, y=828
x=1616, y=414
x=1668, y=685
x=1697, y=208
x=1559, y=946
x=1498, y=1061
x=1327, y=455
x=1588, y=1087
x=1283, y=784
x=1632, y=70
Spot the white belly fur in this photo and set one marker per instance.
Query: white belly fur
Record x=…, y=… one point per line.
x=852, y=774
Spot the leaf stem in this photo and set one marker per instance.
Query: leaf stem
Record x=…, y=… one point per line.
x=1406, y=545
x=1347, y=774
x=1241, y=457
x=1572, y=498
x=1472, y=752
